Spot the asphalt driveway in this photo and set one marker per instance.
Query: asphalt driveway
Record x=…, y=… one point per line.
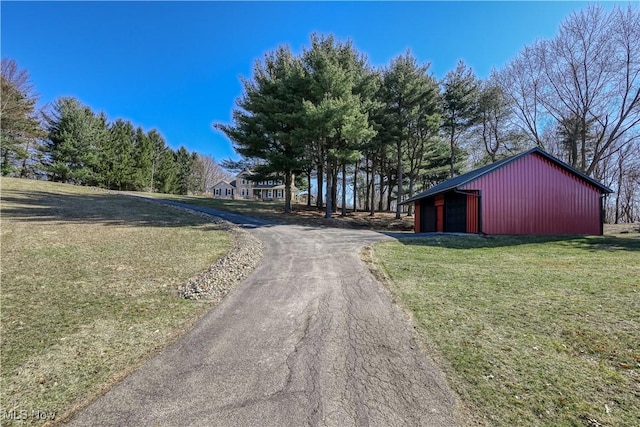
x=309, y=338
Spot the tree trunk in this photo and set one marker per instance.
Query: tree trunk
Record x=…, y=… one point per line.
x=334, y=192
x=619, y=189
x=389, y=189
x=583, y=142
x=381, y=191
x=355, y=187
x=344, y=190
x=309, y=188
x=372, y=200
x=366, y=178
x=319, y=194
x=399, y=179
x=330, y=185
x=410, y=205
x=287, y=192
x=23, y=169
x=453, y=150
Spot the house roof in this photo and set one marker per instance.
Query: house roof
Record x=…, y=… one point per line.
x=223, y=181
x=463, y=179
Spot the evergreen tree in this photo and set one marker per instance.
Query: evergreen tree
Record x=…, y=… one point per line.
x=75, y=135
x=411, y=115
x=459, y=100
x=237, y=166
x=20, y=128
x=143, y=160
x=166, y=177
x=268, y=119
x=335, y=114
x=158, y=147
x=117, y=156
x=184, y=168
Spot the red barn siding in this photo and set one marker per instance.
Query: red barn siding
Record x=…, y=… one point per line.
x=416, y=217
x=534, y=196
x=439, y=203
x=472, y=213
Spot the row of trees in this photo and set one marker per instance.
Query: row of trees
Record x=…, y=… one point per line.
x=392, y=131
x=70, y=143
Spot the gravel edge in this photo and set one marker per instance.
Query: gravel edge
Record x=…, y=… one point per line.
x=244, y=255
x=219, y=279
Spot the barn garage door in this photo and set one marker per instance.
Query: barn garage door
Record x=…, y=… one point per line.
x=455, y=206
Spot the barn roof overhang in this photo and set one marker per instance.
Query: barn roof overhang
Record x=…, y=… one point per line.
x=455, y=182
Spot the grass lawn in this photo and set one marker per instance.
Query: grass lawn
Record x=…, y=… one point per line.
x=88, y=290
x=302, y=214
x=531, y=331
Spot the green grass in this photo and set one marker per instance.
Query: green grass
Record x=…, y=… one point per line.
x=88, y=289
x=531, y=331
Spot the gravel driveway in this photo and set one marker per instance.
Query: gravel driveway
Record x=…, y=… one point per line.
x=309, y=338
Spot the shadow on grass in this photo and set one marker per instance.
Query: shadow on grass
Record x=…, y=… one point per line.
x=590, y=243
x=106, y=209
x=273, y=211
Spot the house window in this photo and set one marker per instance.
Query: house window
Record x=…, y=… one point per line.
x=217, y=191
x=270, y=182
x=279, y=194
x=269, y=194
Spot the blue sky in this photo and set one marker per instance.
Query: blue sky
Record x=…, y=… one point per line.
x=175, y=66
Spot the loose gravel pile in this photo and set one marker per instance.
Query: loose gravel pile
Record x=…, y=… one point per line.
x=214, y=283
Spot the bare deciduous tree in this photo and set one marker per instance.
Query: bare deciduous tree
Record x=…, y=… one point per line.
x=588, y=76
x=207, y=172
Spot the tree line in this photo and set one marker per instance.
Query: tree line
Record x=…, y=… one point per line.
x=392, y=131
x=68, y=142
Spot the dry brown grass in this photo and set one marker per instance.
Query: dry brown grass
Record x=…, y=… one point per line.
x=629, y=230
x=302, y=214
x=88, y=289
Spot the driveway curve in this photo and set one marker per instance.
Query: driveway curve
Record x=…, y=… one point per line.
x=309, y=338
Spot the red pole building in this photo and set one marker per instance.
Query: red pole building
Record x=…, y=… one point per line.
x=530, y=193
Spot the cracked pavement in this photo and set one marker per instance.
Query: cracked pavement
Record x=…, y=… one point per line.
x=309, y=338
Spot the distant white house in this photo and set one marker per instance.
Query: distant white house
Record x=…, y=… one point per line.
x=223, y=190
x=244, y=188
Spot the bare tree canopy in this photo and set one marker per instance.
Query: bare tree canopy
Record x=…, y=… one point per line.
x=207, y=172
x=578, y=94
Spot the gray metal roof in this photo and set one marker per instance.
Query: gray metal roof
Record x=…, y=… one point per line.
x=457, y=181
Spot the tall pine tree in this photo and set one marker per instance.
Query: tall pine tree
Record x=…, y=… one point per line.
x=459, y=99
x=268, y=118
x=75, y=135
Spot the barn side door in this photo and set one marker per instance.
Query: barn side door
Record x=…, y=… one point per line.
x=427, y=216
x=439, y=203
x=473, y=212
